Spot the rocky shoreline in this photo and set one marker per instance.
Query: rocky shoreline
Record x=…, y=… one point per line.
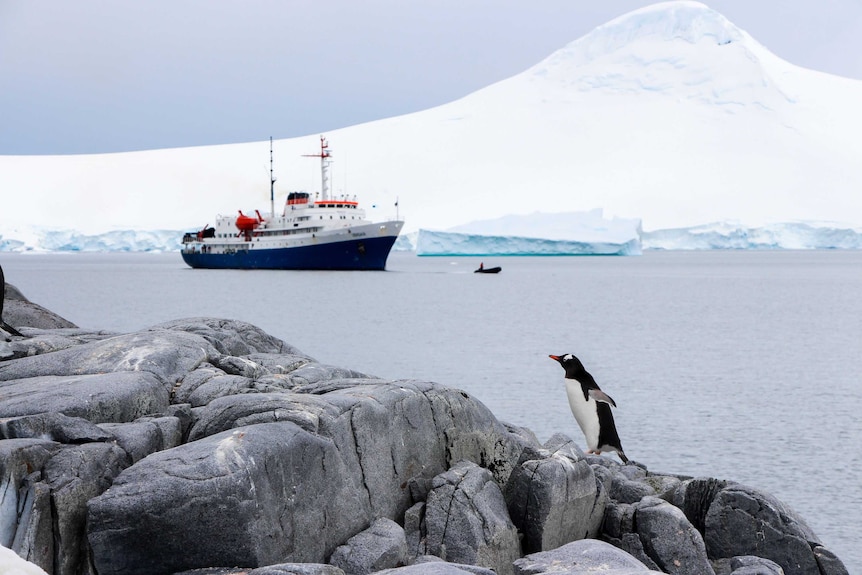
x=207, y=446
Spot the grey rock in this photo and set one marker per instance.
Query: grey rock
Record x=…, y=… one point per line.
x=229, y=337
x=216, y=571
x=466, y=520
x=34, y=537
x=750, y=565
x=828, y=562
x=316, y=378
x=99, y=398
x=146, y=435
x=166, y=354
x=553, y=500
x=26, y=523
x=669, y=539
x=581, y=557
x=305, y=491
x=20, y=312
x=10, y=292
x=254, y=496
x=626, y=490
x=297, y=569
x=414, y=531
x=662, y=485
x=247, y=409
x=745, y=521
x=695, y=496
x=381, y=546
x=430, y=567
x=620, y=529
x=75, y=475
x=54, y=426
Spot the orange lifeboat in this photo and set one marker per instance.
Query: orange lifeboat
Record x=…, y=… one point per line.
x=246, y=223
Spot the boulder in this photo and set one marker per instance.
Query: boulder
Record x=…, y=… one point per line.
x=436, y=566
x=26, y=524
x=229, y=337
x=309, y=489
x=19, y=312
x=146, y=435
x=233, y=411
x=466, y=520
x=745, y=521
x=54, y=426
x=98, y=397
x=295, y=569
x=254, y=496
x=165, y=354
x=74, y=475
x=669, y=539
x=381, y=546
x=553, y=496
x=580, y=558
x=751, y=565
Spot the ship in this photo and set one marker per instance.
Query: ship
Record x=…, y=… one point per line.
x=321, y=233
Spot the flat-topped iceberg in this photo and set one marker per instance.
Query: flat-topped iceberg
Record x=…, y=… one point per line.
x=570, y=233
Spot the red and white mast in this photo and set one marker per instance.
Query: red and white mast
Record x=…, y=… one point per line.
x=325, y=160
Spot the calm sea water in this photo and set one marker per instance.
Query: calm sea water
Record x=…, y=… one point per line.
x=737, y=365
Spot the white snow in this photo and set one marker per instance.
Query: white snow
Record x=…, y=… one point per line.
x=12, y=564
x=670, y=115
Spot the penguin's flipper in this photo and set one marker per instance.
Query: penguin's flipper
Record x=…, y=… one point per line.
x=9, y=329
x=600, y=395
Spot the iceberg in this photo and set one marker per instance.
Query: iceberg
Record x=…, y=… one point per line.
x=536, y=234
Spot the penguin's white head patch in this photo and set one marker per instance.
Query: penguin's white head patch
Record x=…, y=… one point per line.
x=567, y=357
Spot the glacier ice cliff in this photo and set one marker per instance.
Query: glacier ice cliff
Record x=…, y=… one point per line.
x=37, y=239
x=533, y=235
x=730, y=236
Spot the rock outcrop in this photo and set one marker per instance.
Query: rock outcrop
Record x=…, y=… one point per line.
x=207, y=446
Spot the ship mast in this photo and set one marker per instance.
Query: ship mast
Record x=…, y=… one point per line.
x=325, y=160
x=271, y=184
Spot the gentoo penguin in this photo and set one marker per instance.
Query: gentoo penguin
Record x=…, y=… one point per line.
x=591, y=407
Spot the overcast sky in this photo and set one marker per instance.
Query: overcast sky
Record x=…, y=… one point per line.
x=93, y=76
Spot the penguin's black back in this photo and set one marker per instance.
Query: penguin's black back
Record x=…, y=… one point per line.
x=607, y=428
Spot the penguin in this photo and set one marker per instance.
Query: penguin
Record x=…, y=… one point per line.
x=591, y=407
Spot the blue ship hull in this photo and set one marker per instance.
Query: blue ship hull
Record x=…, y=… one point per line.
x=364, y=254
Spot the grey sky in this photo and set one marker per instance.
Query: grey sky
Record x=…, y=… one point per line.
x=94, y=76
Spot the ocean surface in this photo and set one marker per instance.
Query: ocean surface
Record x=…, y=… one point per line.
x=742, y=365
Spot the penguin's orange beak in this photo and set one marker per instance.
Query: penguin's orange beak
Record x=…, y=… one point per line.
x=555, y=357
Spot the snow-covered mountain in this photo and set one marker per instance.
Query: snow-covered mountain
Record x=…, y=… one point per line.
x=669, y=114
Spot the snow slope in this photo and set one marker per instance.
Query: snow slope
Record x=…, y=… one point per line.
x=669, y=114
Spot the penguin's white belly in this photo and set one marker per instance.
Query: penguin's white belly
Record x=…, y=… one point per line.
x=585, y=413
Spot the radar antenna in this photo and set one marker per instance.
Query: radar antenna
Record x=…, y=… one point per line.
x=325, y=160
